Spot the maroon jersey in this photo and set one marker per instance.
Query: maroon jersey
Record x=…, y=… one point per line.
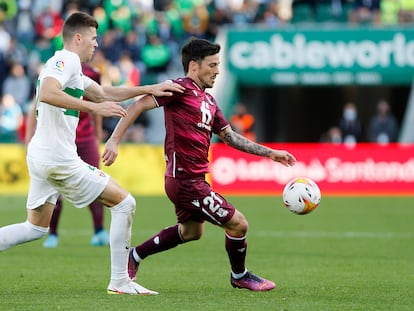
x=85, y=130
x=190, y=119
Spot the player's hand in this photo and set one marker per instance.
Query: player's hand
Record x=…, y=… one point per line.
x=109, y=109
x=283, y=157
x=110, y=153
x=166, y=89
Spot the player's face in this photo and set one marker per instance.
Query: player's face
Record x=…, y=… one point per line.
x=88, y=44
x=207, y=71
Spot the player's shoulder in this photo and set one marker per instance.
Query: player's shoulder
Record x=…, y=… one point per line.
x=185, y=82
x=67, y=56
x=62, y=61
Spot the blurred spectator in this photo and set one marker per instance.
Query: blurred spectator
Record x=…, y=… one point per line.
x=350, y=124
x=383, y=127
x=218, y=18
x=406, y=13
x=389, y=12
x=17, y=53
x=49, y=23
x=155, y=55
x=173, y=17
x=111, y=45
x=102, y=19
x=284, y=10
x=5, y=40
x=333, y=135
x=8, y=13
x=242, y=122
x=195, y=21
x=24, y=23
x=70, y=7
x=365, y=12
x=39, y=6
x=11, y=119
x=119, y=14
x=243, y=13
x=42, y=50
x=130, y=74
x=276, y=13
x=133, y=44
x=102, y=65
x=18, y=84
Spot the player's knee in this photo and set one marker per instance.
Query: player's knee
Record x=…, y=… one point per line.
x=130, y=201
x=127, y=205
x=242, y=226
x=190, y=233
x=237, y=226
x=191, y=237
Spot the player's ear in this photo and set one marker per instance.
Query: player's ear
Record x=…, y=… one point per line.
x=192, y=65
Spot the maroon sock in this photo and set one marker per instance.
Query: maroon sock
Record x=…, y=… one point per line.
x=236, y=250
x=164, y=240
x=97, y=211
x=54, y=221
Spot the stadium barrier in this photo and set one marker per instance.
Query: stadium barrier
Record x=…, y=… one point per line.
x=362, y=169
x=139, y=168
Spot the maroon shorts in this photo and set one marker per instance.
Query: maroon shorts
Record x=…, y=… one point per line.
x=195, y=200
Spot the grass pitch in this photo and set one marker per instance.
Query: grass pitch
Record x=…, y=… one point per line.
x=352, y=253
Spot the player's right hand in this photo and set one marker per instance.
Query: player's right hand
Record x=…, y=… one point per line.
x=110, y=153
x=109, y=109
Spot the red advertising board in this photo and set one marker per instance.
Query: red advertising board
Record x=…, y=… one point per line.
x=362, y=169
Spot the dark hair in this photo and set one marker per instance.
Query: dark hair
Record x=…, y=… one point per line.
x=76, y=22
x=197, y=49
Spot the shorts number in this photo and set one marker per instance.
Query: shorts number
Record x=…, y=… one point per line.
x=210, y=202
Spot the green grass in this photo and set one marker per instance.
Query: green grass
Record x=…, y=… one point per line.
x=350, y=254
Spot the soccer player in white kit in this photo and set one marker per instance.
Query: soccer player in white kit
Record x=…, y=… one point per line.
x=54, y=165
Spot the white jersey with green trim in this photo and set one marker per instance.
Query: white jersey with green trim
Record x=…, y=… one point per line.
x=54, y=138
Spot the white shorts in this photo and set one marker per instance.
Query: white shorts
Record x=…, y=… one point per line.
x=78, y=182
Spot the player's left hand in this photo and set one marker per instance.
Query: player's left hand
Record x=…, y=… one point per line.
x=283, y=157
x=166, y=88
x=110, y=153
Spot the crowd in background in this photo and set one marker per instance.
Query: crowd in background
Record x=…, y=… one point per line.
x=139, y=40
x=382, y=127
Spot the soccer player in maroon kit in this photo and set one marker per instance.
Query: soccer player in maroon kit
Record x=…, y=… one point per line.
x=190, y=119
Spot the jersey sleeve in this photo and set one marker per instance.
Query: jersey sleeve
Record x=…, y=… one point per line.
x=220, y=122
x=87, y=81
x=162, y=101
x=62, y=68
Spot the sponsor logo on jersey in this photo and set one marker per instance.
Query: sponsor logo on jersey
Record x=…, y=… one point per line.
x=60, y=65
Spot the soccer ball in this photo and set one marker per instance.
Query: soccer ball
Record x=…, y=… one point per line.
x=301, y=195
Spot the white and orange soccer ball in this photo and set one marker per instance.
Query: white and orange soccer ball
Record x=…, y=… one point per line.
x=301, y=195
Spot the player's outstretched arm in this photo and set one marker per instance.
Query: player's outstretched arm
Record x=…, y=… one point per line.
x=50, y=92
x=98, y=93
x=241, y=143
x=133, y=112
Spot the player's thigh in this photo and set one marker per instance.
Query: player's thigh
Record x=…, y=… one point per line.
x=237, y=225
x=194, y=199
x=40, y=189
x=113, y=193
x=78, y=182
